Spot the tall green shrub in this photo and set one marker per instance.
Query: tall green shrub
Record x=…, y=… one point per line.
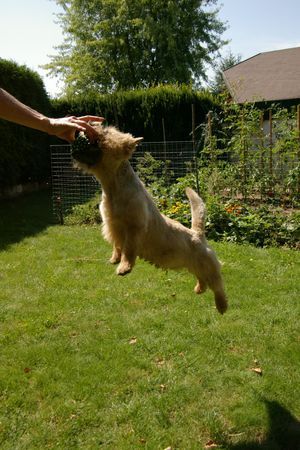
x=142, y=111
x=24, y=153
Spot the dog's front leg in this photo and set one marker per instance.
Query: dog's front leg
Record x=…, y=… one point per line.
x=128, y=255
x=116, y=255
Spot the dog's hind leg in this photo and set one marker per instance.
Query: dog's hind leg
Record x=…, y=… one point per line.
x=200, y=287
x=216, y=285
x=213, y=278
x=116, y=255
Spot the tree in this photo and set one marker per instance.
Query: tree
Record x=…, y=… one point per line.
x=122, y=44
x=217, y=85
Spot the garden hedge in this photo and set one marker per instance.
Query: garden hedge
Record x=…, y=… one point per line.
x=24, y=153
x=143, y=111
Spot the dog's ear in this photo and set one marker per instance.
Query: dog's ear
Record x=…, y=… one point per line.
x=138, y=140
x=132, y=146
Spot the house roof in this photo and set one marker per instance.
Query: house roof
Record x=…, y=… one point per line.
x=268, y=76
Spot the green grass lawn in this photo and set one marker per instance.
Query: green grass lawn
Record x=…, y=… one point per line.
x=90, y=360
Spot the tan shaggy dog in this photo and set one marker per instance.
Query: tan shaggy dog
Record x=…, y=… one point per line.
x=135, y=227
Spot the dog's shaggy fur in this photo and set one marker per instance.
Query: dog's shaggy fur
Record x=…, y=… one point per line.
x=135, y=227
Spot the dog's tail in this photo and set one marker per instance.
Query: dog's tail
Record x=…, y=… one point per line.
x=198, y=211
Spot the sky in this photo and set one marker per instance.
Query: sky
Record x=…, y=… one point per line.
x=29, y=31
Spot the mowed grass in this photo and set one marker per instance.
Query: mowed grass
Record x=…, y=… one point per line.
x=90, y=360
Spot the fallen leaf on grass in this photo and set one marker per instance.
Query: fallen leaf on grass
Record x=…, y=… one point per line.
x=257, y=370
x=160, y=362
x=211, y=444
x=234, y=435
x=133, y=341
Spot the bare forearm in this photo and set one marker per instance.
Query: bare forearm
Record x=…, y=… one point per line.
x=14, y=111
x=65, y=128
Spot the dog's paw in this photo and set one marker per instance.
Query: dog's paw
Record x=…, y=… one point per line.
x=115, y=259
x=200, y=288
x=221, y=303
x=124, y=268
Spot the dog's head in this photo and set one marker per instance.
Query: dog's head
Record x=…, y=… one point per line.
x=84, y=153
x=111, y=148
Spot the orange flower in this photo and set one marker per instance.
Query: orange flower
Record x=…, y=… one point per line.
x=234, y=209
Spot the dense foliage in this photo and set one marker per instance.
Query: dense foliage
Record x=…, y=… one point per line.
x=142, y=111
x=24, y=153
x=117, y=44
x=227, y=220
x=261, y=149
x=250, y=179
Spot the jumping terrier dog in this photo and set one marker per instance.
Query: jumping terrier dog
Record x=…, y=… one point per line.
x=133, y=224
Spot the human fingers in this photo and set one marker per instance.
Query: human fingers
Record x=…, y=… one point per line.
x=68, y=127
x=89, y=130
x=91, y=119
x=91, y=133
x=64, y=128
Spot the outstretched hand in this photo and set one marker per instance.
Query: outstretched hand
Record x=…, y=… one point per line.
x=66, y=127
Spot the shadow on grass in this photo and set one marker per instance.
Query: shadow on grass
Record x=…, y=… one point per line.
x=24, y=216
x=283, y=433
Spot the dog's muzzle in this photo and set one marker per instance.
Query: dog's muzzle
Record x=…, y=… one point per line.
x=84, y=152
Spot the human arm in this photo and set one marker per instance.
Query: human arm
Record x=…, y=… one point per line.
x=65, y=128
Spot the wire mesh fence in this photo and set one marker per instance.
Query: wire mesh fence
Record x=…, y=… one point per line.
x=251, y=163
x=71, y=187
x=258, y=173
x=178, y=156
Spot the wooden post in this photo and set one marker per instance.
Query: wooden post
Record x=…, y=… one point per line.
x=116, y=116
x=209, y=132
x=193, y=124
x=59, y=207
x=244, y=154
x=271, y=149
x=262, y=153
x=165, y=149
x=194, y=147
x=163, y=128
x=298, y=130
